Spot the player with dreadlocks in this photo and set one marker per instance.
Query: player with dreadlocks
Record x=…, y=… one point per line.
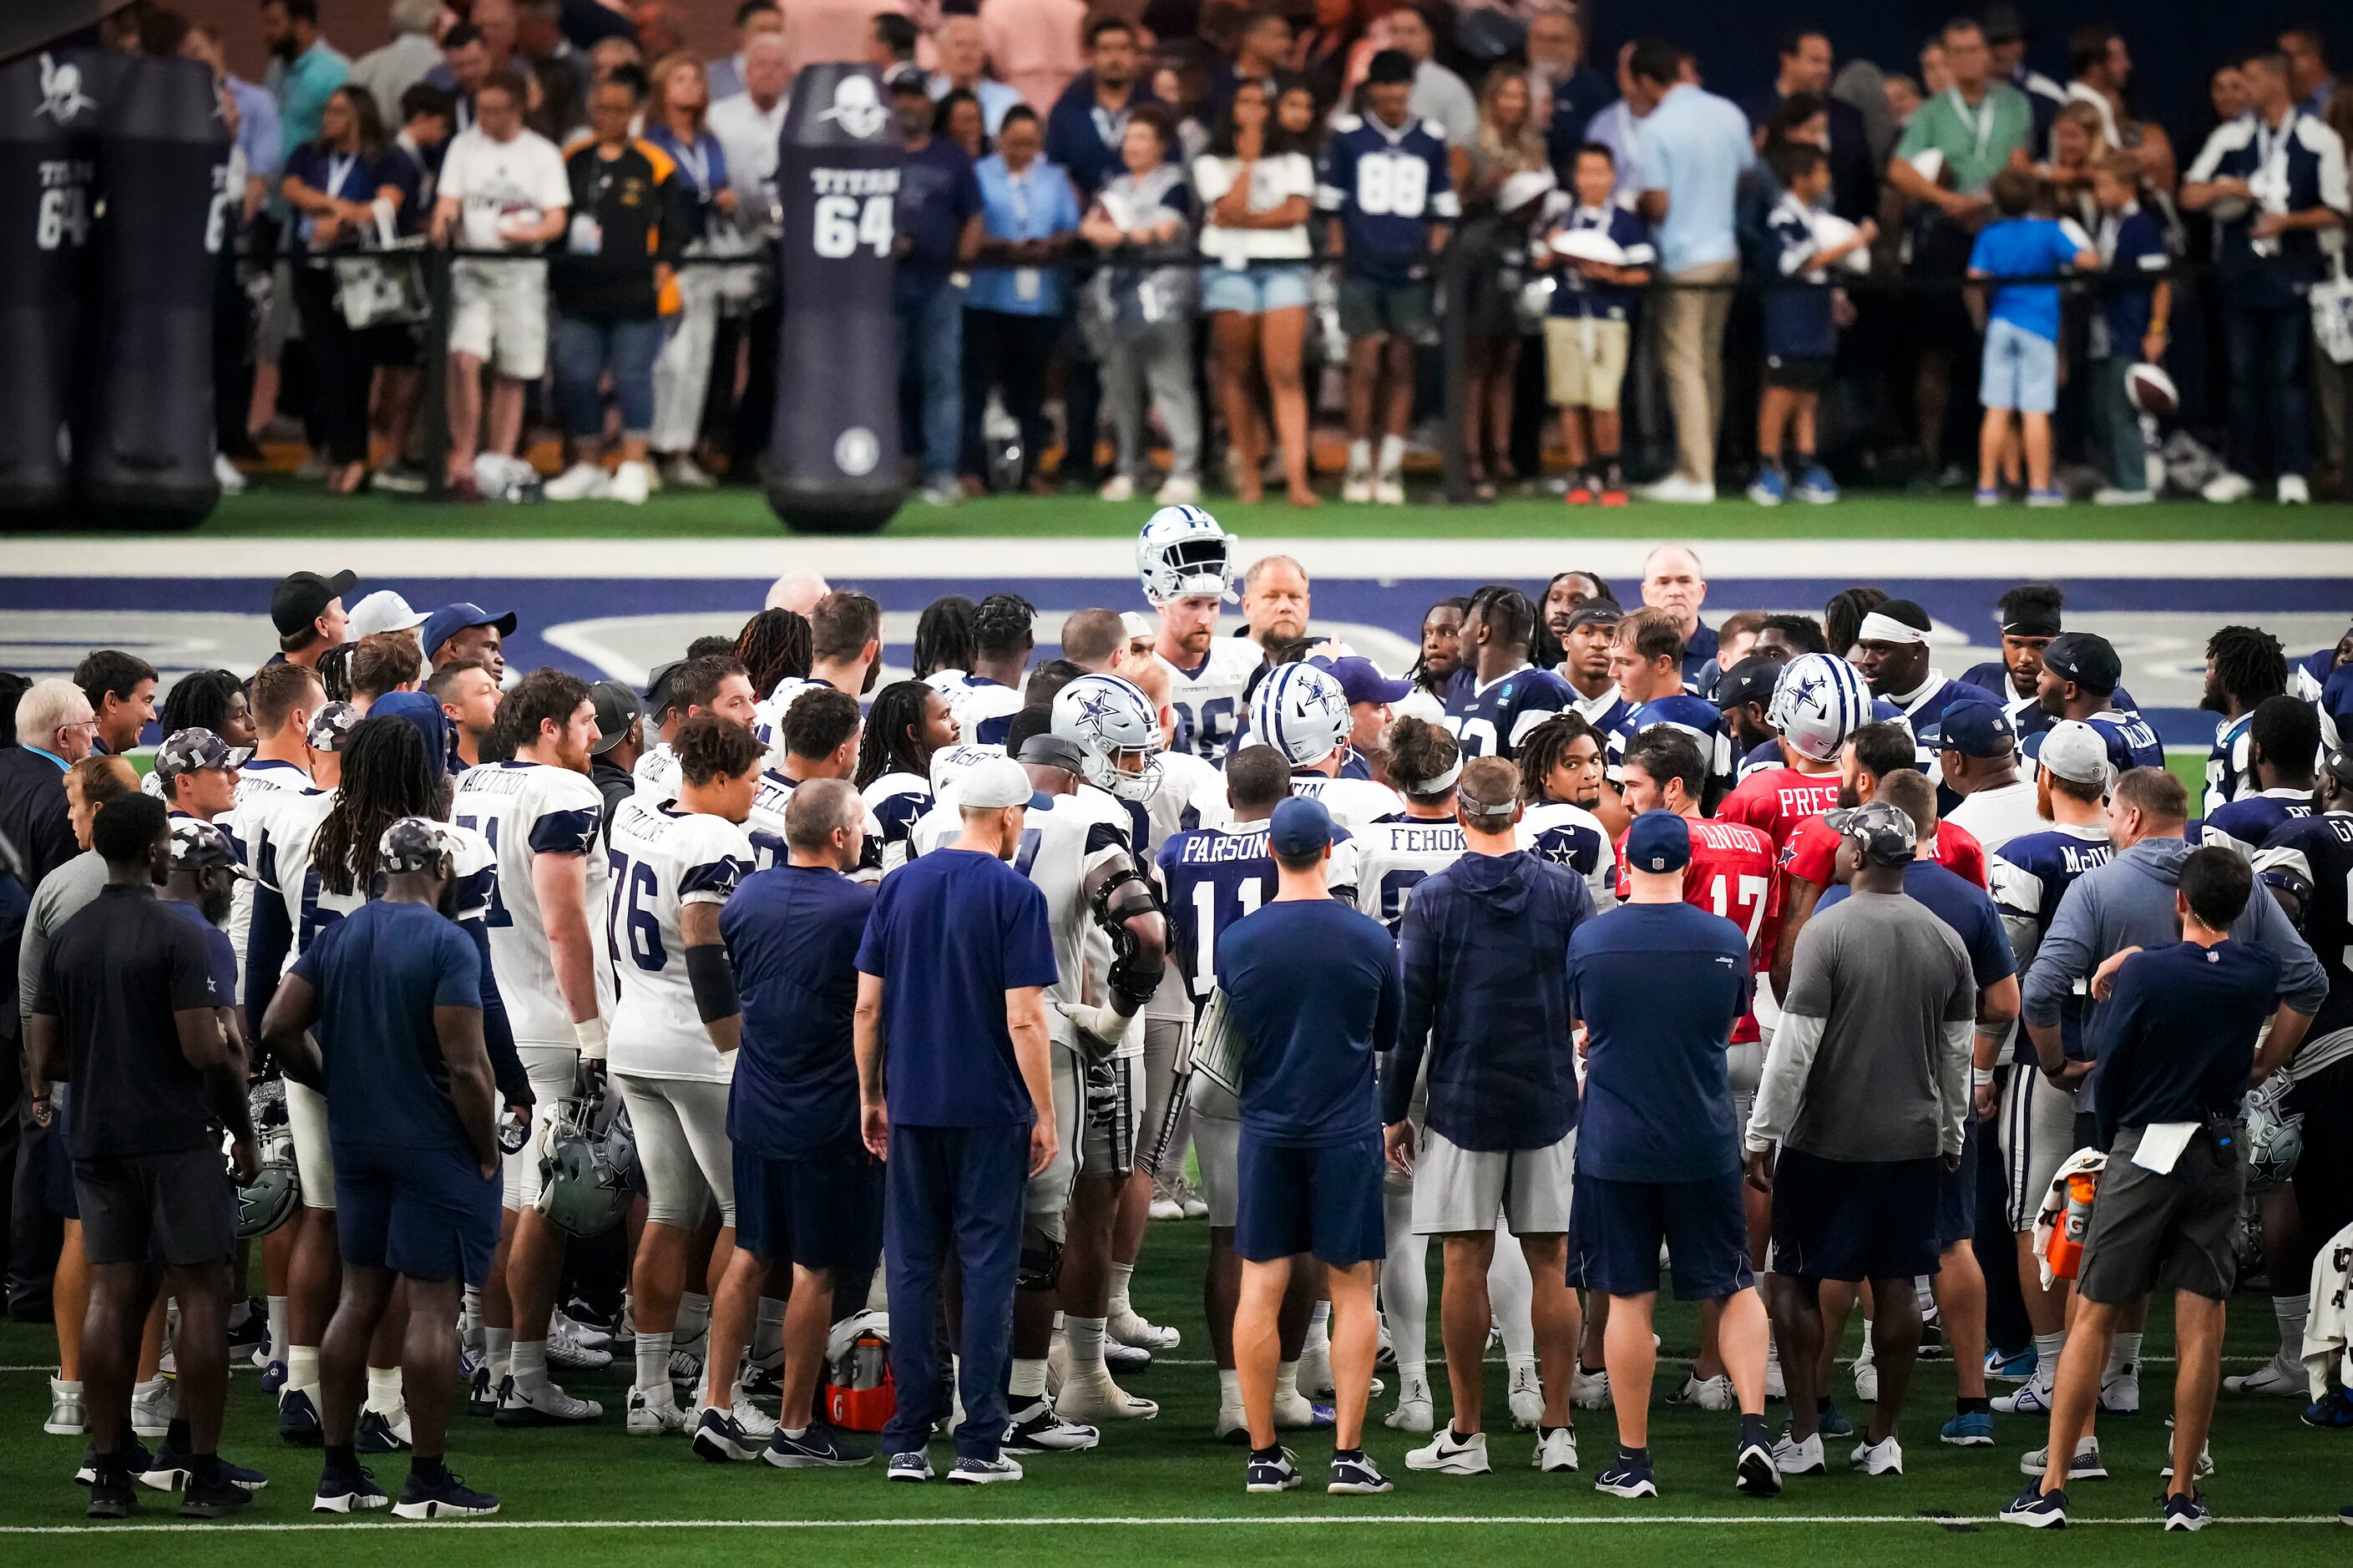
x=2243, y=665
x=1434, y=666
x=1561, y=771
x=773, y=646
x=944, y=638
x=908, y=721
x=211, y=699
x=988, y=693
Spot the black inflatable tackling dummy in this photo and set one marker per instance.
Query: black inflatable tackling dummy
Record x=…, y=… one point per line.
x=834, y=460
x=48, y=156
x=162, y=172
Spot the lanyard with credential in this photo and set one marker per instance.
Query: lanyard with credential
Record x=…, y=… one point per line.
x=695, y=159
x=1981, y=122
x=339, y=169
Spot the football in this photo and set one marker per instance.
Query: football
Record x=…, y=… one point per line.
x=2152, y=390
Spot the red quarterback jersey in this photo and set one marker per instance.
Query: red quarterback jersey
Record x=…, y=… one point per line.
x=1813, y=851
x=1779, y=801
x=1731, y=875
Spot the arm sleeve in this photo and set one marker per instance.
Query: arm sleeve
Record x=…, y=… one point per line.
x=1953, y=1090
x=1418, y=1003
x=1779, y=1089
x=2062, y=957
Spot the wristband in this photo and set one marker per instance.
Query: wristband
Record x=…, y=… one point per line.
x=1982, y=1076
x=589, y=1035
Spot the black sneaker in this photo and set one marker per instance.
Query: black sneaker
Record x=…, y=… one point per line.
x=1036, y=1430
x=376, y=1434
x=2038, y=1510
x=134, y=1462
x=215, y=1499
x=720, y=1438
x=1279, y=1474
x=1625, y=1477
x=820, y=1448
x=448, y=1498
x=1356, y=1476
x=253, y=1331
x=352, y=1493
x=173, y=1468
x=111, y=1495
x=297, y=1420
x=2188, y=1511
x=985, y=1472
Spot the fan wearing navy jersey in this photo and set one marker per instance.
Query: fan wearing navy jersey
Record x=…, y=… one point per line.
x=1800, y=325
x=1386, y=181
x=671, y=1052
x=819, y=739
x=2244, y=664
x=1561, y=779
x=909, y=724
x=1505, y=696
x=1185, y=562
x=1648, y=662
x=1304, y=713
x=2079, y=679
x=1215, y=876
x=2029, y=876
x=2312, y=858
x=2283, y=739
x=1892, y=650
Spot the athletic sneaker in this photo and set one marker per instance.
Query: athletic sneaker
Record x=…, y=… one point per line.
x=298, y=1419
x=757, y=1423
x=1753, y=1472
x=2120, y=1391
x=1035, y=1428
x=2086, y=1466
x=68, y=1414
x=382, y=1431
x=352, y=1493
x=1867, y=1378
x=2036, y=1508
x=2293, y=491
x=2227, y=487
x=1279, y=1474
x=1356, y=486
x=582, y=481
x=2032, y=1397
x=1815, y=487
x=1166, y=1208
x=1583, y=490
x=111, y=1496
x=1830, y=1422
x=1769, y=489
x=683, y=472
x=1776, y=1387
x=1590, y=1390
x=1555, y=1451
x=1177, y=490
x=2332, y=1412
x=1884, y=1457
x=985, y=1472
x=1414, y=1412
x=215, y=1498
x=1129, y=1328
x=1967, y=1429
x=134, y=1462
x=481, y=1392
x=1301, y=1414
x=2010, y=1367
x=569, y=1351
x=1120, y=1358
x=1792, y=1458
x=720, y=1438
x=1526, y=1399
x=820, y=1448
x=1625, y=1479
x=912, y=1466
x=1119, y=489
x=273, y=1378
x=2279, y=1376
x=2205, y=1465
x=448, y=1497
x=2049, y=496
x=1389, y=491
x=546, y=1405
x=1450, y=1454
x=1233, y=1426
x=1355, y=1475
x=1986, y=497
x=1094, y=1397
x=653, y=1413
x=1315, y=1374
x=152, y=1410
x=1706, y=1393
x=174, y=1466
x=2188, y=1511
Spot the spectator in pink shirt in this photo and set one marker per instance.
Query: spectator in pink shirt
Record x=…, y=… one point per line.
x=817, y=31
x=1038, y=46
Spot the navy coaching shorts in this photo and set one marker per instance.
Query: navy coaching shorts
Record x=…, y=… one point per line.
x=1615, y=1228
x=1854, y=1219
x=426, y=1212
x=821, y=1212
x=1322, y=1199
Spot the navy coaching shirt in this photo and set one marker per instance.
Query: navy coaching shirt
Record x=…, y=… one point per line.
x=1314, y=985
x=793, y=934
x=949, y=935
x=379, y=972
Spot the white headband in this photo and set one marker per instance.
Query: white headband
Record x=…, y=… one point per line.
x=1438, y=786
x=1877, y=627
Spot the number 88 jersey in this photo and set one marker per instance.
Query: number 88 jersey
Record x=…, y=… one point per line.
x=660, y=860
x=1730, y=874
x=1387, y=185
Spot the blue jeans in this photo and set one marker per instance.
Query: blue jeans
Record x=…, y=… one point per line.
x=2267, y=357
x=952, y=1189
x=931, y=353
x=584, y=351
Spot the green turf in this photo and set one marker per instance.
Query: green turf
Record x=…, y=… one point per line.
x=1171, y=1475
x=285, y=509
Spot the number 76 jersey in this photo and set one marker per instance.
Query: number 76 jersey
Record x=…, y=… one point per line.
x=662, y=859
x=1730, y=874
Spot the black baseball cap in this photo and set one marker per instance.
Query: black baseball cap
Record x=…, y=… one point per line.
x=1750, y=680
x=300, y=597
x=1390, y=66
x=2086, y=658
x=616, y=706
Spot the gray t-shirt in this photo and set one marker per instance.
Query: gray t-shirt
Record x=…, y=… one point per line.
x=59, y=898
x=1887, y=978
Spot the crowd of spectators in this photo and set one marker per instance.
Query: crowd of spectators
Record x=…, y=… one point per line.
x=1200, y=228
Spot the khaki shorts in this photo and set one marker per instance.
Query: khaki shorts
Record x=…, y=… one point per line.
x=498, y=314
x=1585, y=362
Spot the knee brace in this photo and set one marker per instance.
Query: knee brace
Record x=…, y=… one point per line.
x=1041, y=1268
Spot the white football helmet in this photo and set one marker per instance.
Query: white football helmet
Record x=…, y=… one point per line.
x=1182, y=553
x=1113, y=724
x=1819, y=701
x=2274, y=1137
x=1301, y=712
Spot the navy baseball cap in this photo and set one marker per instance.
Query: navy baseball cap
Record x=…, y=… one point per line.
x=1751, y=681
x=1362, y=680
x=2086, y=658
x=450, y=619
x=1299, y=825
x=1978, y=730
x=1885, y=832
x=1658, y=841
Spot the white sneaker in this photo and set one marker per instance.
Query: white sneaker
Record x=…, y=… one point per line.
x=1316, y=1374
x=2031, y=1398
x=1677, y=490
x=1555, y=1451
x=561, y=1324
x=1166, y=1208
x=581, y=481
x=2294, y=491
x=1389, y=491
x=1299, y=1413
x=1413, y=1412
x=1178, y=492
x=153, y=1404
x=2120, y=1391
x=686, y=474
x=1590, y=1390
x=985, y=1472
x=1120, y=488
x=1707, y=1393
x=1792, y=1458
x=633, y=482
x=1233, y=1426
x=2278, y=1376
x=226, y=475
x=1130, y=1329
x=1357, y=487
x=1196, y=1206
x=569, y=1352
x=1884, y=1457
x=546, y=1405
x=2109, y=495
x=2226, y=487
x=1444, y=1454
x=1036, y=1429
x=756, y=1423
x=1866, y=1380
x=1526, y=1398
x=2205, y=1465
x=1094, y=1397
x=68, y=1416
x=653, y=1413
x=1775, y=1388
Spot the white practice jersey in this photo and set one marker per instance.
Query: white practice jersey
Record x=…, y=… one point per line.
x=1570, y=836
x=765, y=828
x=526, y=810
x=284, y=828
x=1393, y=857
x=893, y=803
x=768, y=714
x=258, y=781
x=1208, y=700
x=983, y=707
x=656, y=772
x=1355, y=804
x=1185, y=782
x=663, y=860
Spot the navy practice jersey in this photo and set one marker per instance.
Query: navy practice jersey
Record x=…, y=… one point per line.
x=2028, y=875
x=2131, y=742
x=2229, y=769
x=2318, y=849
x=1694, y=716
x=1387, y=187
x=1491, y=720
x=2246, y=824
x=1215, y=876
x=2337, y=709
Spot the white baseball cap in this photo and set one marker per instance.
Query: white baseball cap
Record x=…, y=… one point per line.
x=2074, y=751
x=382, y=611
x=998, y=781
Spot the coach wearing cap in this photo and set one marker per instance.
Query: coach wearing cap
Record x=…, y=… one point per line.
x=1866, y=1095
x=620, y=741
x=1372, y=698
x=1313, y=986
x=468, y=633
x=956, y=1095
x=308, y=611
x=1979, y=762
x=196, y=771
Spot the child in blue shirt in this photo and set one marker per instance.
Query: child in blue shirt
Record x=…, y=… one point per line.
x=2021, y=333
x=1589, y=326
x=2136, y=298
x=1800, y=325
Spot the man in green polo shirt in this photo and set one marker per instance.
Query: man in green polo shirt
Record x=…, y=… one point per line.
x=1978, y=126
